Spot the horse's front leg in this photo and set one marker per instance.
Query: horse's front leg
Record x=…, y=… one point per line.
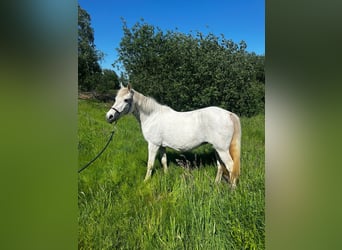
x=164, y=159
x=152, y=152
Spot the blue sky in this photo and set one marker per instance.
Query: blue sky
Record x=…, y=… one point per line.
x=235, y=19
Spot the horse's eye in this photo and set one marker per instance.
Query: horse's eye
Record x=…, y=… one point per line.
x=126, y=100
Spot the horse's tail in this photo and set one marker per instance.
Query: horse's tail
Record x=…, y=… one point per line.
x=235, y=149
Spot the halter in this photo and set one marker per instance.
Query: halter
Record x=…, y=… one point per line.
x=116, y=110
x=129, y=108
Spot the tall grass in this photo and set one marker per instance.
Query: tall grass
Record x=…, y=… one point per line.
x=183, y=209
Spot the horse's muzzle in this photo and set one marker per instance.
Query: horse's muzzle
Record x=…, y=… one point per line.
x=112, y=117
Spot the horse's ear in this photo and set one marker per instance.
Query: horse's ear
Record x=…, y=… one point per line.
x=121, y=86
x=129, y=87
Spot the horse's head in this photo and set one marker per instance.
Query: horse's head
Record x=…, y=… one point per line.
x=122, y=105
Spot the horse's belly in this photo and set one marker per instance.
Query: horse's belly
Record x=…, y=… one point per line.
x=181, y=148
x=182, y=141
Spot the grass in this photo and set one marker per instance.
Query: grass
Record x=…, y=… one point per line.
x=183, y=209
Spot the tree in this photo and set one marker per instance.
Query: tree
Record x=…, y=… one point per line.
x=89, y=70
x=109, y=81
x=189, y=71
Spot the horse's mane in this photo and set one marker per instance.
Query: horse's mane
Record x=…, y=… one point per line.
x=147, y=104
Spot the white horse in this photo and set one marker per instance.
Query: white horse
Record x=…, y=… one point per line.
x=164, y=127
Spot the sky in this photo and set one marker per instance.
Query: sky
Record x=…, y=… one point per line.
x=235, y=19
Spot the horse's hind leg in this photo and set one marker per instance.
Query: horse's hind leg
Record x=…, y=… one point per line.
x=227, y=161
x=163, y=159
x=219, y=172
x=152, y=152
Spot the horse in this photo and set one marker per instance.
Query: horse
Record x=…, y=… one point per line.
x=164, y=127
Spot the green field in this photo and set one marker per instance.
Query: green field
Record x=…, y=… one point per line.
x=183, y=209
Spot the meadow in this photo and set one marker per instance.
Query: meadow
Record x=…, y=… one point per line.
x=182, y=209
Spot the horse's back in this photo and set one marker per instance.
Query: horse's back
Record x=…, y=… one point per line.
x=185, y=130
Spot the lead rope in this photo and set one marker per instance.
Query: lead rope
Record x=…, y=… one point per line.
x=98, y=155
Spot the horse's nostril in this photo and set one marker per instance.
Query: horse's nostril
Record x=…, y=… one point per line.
x=111, y=116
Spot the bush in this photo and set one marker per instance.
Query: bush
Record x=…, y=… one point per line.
x=192, y=71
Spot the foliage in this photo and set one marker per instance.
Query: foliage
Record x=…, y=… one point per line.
x=187, y=71
x=89, y=69
x=109, y=81
x=90, y=75
x=183, y=209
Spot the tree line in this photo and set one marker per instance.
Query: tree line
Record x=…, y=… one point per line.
x=189, y=71
x=91, y=77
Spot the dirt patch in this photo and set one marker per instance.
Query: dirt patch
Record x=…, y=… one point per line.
x=110, y=97
x=85, y=95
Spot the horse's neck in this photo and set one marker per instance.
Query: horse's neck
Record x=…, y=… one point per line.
x=144, y=106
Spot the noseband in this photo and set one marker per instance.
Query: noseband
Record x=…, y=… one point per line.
x=130, y=105
x=116, y=110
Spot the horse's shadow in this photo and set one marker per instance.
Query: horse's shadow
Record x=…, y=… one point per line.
x=191, y=159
